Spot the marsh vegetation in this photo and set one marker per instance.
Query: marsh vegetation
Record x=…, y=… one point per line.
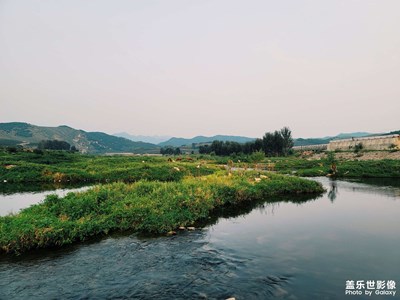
x=152, y=195
x=146, y=206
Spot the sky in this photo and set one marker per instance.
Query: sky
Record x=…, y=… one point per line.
x=198, y=67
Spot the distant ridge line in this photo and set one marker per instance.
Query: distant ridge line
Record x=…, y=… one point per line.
x=28, y=135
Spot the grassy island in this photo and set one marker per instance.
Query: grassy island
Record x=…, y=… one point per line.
x=145, y=206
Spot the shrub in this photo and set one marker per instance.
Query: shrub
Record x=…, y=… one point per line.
x=358, y=147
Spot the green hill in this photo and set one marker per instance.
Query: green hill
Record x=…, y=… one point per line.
x=29, y=135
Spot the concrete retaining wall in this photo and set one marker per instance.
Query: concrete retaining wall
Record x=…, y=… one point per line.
x=368, y=143
x=311, y=147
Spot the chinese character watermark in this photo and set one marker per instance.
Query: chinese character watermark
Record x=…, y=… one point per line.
x=370, y=287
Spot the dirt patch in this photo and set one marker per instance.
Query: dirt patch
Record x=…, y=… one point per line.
x=8, y=167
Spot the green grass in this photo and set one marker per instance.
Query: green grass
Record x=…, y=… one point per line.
x=145, y=207
x=57, y=166
x=370, y=169
x=64, y=167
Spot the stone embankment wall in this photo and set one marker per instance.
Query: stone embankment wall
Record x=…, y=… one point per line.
x=368, y=143
x=367, y=155
x=311, y=147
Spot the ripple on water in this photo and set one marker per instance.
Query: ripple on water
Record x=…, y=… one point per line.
x=187, y=266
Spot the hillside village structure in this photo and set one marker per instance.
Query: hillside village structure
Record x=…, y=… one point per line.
x=384, y=142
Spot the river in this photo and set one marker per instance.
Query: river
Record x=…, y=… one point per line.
x=13, y=198
x=290, y=249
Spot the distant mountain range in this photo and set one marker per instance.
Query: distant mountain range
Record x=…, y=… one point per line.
x=28, y=135
x=348, y=135
x=178, y=142
x=156, y=139
x=163, y=141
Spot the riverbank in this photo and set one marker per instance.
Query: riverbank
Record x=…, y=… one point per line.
x=307, y=167
x=350, y=164
x=144, y=207
x=344, y=168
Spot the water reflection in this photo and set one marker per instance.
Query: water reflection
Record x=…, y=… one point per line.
x=378, y=186
x=333, y=190
x=244, y=208
x=14, y=202
x=14, y=188
x=378, y=182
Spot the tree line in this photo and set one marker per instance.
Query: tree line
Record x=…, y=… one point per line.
x=277, y=143
x=170, y=151
x=55, y=145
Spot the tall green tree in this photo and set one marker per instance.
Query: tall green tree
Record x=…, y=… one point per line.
x=287, y=142
x=278, y=142
x=54, y=145
x=177, y=151
x=268, y=144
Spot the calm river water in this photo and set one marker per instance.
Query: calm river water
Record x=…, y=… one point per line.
x=310, y=249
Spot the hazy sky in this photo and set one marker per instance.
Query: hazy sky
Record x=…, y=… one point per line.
x=185, y=68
